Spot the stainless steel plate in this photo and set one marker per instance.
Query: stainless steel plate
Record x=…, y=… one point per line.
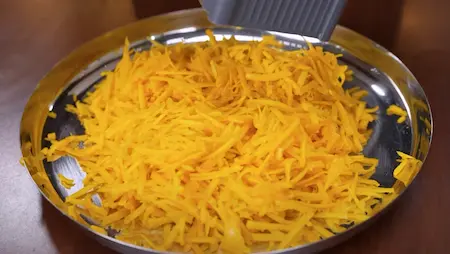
x=376, y=70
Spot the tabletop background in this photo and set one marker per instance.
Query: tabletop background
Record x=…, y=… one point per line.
x=35, y=34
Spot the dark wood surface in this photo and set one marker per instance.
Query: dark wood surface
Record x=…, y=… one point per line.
x=35, y=34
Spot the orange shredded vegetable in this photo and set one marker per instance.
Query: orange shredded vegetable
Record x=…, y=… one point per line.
x=52, y=115
x=225, y=146
x=407, y=169
x=65, y=182
x=396, y=110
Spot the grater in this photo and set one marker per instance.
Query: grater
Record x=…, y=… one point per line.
x=313, y=18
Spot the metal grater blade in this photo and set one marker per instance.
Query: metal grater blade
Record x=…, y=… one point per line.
x=313, y=18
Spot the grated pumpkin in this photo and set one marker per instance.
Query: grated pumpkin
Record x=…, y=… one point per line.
x=225, y=146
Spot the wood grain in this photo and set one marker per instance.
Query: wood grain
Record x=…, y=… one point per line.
x=35, y=34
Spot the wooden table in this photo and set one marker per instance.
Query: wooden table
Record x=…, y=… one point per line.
x=35, y=34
